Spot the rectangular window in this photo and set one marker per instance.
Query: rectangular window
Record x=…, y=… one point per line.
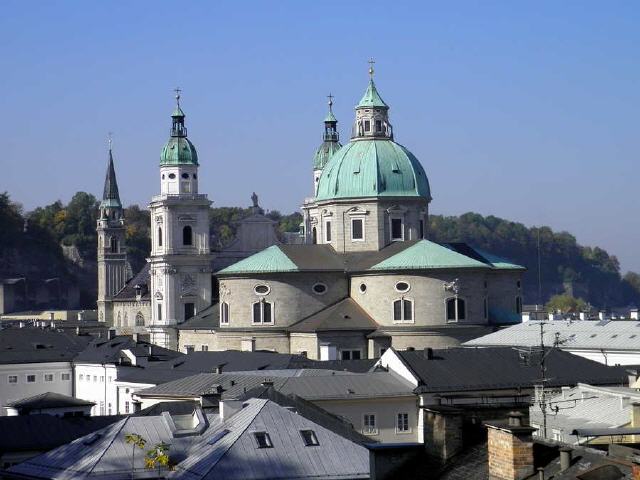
x=159, y=312
x=80, y=377
x=189, y=310
x=350, y=354
x=382, y=350
x=101, y=408
x=397, y=232
x=378, y=125
x=101, y=379
x=309, y=438
x=13, y=379
x=204, y=348
x=126, y=407
x=48, y=377
x=421, y=228
x=486, y=308
x=327, y=232
x=357, y=229
x=95, y=379
x=110, y=409
x=263, y=440
x=65, y=377
x=369, y=426
x=402, y=423
x=31, y=379
x=367, y=126
x=110, y=379
x=189, y=348
x=224, y=313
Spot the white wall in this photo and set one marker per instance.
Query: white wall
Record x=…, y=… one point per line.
x=17, y=391
x=96, y=383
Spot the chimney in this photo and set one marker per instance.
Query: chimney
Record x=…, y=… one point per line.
x=633, y=314
x=111, y=334
x=442, y=429
x=510, y=448
x=52, y=316
x=150, y=349
x=602, y=315
x=428, y=353
x=540, y=473
x=77, y=330
x=218, y=368
x=565, y=458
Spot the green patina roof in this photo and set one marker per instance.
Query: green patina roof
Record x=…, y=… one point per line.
x=179, y=151
x=371, y=97
x=270, y=260
x=499, y=262
x=178, y=112
x=373, y=168
x=324, y=153
x=427, y=255
x=110, y=194
x=330, y=117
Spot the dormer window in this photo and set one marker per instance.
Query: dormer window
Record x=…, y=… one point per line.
x=309, y=438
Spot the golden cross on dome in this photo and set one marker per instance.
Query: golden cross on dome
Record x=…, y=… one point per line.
x=371, y=62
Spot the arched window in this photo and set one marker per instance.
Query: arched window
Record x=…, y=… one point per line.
x=224, y=313
x=518, y=305
x=314, y=235
x=187, y=236
x=456, y=309
x=159, y=236
x=403, y=310
x=262, y=312
x=139, y=320
x=114, y=244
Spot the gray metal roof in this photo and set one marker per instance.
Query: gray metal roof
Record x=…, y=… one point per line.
x=223, y=449
x=48, y=400
x=587, y=407
x=576, y=334
x=36, y=345
x=343, y=315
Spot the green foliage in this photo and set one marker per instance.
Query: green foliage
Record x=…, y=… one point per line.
x=566, y=304
x=158, y=457
x=138, y=236
x=566, y=266
x=134, y=440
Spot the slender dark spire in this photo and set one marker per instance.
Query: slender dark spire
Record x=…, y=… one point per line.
x=110, y=196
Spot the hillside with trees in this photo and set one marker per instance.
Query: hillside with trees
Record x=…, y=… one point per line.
x=60, y=240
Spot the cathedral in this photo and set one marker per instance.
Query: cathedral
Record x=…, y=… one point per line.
x=360, y=277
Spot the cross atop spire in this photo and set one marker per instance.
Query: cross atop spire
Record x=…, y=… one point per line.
x=371, y=70
x=178, y=91
x=110, y=139
x=330, y=97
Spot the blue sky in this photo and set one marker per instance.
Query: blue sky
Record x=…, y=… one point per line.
x=524, y=110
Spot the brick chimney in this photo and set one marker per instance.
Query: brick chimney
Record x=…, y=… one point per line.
x=510, y=448
x=442, y=430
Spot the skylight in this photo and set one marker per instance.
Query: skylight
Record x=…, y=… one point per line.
x=309, y=438
x=213, y=440
x=263, y=439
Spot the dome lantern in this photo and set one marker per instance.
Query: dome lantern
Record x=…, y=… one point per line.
x=178, y=150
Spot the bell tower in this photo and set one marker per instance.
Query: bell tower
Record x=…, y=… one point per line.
x=112, y=257
x=330, y=145
x=180, y=258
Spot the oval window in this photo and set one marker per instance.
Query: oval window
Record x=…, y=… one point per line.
x=363, y=288
x=402, y=287
x=172, y=175
x=185, y=175
x=319, y=288
x=261, y=289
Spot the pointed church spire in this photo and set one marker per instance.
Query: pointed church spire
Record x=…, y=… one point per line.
x=110, y=195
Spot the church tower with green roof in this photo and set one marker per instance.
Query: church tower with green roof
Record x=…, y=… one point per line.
x=180, y=260
x=330, y=145
x=112, y=257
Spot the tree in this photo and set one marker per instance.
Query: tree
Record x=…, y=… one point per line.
x=158, y=457
x=134, y=440
x=566, y=304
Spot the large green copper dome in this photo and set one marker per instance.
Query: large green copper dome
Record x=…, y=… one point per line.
x=179, y=151
x=373, y=168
